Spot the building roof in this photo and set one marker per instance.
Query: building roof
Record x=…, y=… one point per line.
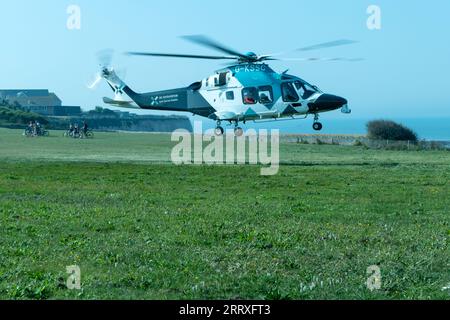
x=29, y=93
x=35, y=97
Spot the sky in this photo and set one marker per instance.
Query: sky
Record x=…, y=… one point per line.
x=405, y=71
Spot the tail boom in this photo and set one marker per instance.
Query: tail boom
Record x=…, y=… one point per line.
x=186, y=99
x=168, y=100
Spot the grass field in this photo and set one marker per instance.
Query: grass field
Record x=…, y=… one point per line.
x=142, y=228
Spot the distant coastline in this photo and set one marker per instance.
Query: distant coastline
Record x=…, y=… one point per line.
x=432, y=129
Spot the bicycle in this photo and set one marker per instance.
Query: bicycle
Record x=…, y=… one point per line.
x=88, y=135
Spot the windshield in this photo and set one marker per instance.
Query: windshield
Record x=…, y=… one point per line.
x=305, y=89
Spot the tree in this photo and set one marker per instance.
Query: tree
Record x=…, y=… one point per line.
x=390, y=130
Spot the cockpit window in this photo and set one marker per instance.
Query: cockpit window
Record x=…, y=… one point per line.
x=288, y=92
x=305, y=89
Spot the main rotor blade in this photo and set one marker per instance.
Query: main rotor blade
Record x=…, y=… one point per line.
x=105, y=57
x=267, y=58
x=331, y=44
x=170, y=55
x=207, y=42
x=321, y=59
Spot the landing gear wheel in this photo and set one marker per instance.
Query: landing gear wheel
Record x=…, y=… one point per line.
x=219, y=131
x=238, y=132
x=317, y=126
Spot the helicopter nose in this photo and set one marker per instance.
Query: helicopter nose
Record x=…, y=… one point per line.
x=327, y=102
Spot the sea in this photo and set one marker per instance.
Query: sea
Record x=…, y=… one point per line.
x=431, y=129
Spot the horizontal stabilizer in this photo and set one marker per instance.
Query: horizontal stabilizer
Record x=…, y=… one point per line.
x=120, y=103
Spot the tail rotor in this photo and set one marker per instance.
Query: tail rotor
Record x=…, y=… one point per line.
x=107, y=72
x=105, y=58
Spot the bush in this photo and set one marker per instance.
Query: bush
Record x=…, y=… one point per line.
x=389, y=130
x=14, y=116
x=319, y=142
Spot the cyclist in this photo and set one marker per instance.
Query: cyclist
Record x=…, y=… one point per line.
x=71, y=129
x=85, y=128
x=76, y=130
x=38, y=128
x=34, y=127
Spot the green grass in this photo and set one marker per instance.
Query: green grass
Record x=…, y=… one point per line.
x=156, y=148
x=142, y=228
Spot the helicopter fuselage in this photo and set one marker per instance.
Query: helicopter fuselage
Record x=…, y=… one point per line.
x=248, y=90
x=242, y=93
x=239, y=93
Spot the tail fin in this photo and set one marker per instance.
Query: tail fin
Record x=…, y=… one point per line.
x=121, y=99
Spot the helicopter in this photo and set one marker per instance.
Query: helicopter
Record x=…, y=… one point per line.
x=247, y=89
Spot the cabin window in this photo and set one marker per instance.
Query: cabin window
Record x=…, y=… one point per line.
x=221, y=79
x=250, y=95
x=288, y=92
x=265, y=94
x=230, y=95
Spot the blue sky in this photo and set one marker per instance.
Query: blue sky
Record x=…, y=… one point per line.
x=405, y=72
